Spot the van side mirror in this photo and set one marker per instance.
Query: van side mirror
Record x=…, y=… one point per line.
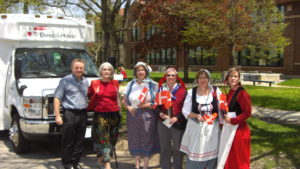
x=18, y=75
x=18, y=68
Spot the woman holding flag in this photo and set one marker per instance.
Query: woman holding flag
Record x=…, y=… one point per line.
x=141, y=118
x=235, y=138
x=172, y=123
x=201, y=137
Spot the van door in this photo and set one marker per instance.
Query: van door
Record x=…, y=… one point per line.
x=8, y=85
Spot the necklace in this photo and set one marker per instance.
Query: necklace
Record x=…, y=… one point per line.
x=205, y=106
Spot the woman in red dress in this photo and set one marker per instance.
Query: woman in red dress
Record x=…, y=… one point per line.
x=239, y=101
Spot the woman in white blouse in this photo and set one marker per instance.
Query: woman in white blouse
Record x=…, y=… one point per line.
x=201, y=137
x=143, y=140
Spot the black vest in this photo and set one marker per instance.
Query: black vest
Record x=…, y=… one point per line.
x=195, y=104
x=234, y=106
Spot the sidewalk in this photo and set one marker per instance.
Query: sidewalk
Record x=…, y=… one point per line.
x=276, y=116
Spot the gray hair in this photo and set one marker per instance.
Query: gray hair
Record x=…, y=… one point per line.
x=106, y=64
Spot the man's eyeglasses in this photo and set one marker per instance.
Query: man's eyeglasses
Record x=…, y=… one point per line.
x=170, y=75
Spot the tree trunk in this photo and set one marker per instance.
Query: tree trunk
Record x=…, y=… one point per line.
x=106, y=46
x=26, y=8
x=233, y=54
x=122, y=54
x=186, y=67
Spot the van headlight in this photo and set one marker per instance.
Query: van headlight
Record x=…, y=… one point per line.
x=33, y=107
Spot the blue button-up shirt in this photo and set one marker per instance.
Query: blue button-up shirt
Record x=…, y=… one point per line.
x=72, y=93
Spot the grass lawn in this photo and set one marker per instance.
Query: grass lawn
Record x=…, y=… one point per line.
x=291, y=82
x=274, y=145
x=275, y=97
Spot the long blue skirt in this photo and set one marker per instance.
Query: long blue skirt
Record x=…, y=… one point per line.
x=143, y=139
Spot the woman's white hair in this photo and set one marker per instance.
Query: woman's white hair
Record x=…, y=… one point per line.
x=106, y=64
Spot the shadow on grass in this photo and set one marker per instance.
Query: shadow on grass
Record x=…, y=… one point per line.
x=275, y=102
x=275, y=140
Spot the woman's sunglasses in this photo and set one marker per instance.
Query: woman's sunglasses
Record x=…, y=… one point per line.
x=170, y=75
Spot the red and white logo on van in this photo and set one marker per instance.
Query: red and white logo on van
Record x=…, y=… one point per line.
x=39, y=28
x=36, y=28
x=49, y=33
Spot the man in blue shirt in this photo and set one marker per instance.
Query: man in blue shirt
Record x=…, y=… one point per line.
x=71, y=95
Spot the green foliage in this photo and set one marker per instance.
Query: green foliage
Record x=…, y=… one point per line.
x=291, y=82
x=239, y=25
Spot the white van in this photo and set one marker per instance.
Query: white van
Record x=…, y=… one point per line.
x=35, y=52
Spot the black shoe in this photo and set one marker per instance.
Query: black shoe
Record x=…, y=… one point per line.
x=68, y=167
x=77, y=166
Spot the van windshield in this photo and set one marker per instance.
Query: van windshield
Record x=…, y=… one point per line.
x=45, y=62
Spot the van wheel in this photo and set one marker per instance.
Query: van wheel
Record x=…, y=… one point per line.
x=20, y=144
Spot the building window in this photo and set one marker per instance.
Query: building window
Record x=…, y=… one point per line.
x=151, y=31
x=269, y=58
x=134, y=34
x=281, y=9
x=133, y=56
x=200, y=56
x=162, y=57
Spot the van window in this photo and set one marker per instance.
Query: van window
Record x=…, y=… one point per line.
x=44, y=63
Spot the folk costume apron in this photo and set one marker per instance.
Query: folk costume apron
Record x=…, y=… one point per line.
x=200, y=140
x=228, y=132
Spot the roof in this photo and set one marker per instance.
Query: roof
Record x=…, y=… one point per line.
x=29, y=27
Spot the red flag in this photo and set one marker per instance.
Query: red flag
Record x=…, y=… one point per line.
x=143, y=94
x=210, y=119
x=223, y=102
x=163, y=98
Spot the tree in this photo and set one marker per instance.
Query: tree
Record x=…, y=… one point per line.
x=23, y=5
x=234, y=25
x=254, y=25
x=105, y=12
x=164, y=16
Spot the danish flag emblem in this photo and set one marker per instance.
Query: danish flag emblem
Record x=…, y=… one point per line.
x=143, y=94
x=210, y=119
x=223, y=102
x=163, y=98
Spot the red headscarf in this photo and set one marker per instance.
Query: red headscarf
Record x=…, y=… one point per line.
x=164, y=78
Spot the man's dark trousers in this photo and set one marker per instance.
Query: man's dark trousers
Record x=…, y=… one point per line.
x=73, y=133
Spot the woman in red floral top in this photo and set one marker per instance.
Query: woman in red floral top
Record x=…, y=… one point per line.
x=106, y=106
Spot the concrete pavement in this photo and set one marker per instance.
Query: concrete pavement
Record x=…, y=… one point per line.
x=276, y=116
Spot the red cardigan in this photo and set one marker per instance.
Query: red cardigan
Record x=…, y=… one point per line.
x=106, y=99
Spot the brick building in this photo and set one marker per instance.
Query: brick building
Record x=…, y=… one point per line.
x=288, y=63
